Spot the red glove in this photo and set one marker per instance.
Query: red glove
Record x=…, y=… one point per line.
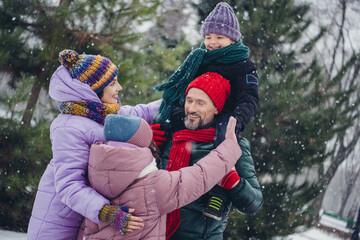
x=158, y=134
x=230, y=180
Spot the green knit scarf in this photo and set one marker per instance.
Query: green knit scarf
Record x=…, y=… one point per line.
x=175, y=88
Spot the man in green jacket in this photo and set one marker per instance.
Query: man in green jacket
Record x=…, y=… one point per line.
x=194, y=130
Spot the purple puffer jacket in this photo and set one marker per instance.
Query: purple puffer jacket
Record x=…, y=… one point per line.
x=63, y=195
x=113, y=172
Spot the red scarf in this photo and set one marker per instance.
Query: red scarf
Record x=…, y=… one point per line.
x=179, y=157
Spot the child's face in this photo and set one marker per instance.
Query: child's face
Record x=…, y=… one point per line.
x=215, y=41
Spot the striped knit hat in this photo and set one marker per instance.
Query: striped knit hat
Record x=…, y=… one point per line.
x=215, y=86
x=95, y=71
x=127, y=128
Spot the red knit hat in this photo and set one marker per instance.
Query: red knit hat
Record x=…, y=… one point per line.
x=215, y=86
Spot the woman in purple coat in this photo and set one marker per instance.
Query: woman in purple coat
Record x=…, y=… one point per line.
x=87, y=90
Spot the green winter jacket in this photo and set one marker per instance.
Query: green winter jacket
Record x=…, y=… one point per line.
x=246, y=197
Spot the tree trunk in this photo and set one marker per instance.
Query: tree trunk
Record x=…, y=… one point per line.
x=30, y=107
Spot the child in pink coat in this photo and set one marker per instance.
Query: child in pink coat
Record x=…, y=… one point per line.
x=124, y=171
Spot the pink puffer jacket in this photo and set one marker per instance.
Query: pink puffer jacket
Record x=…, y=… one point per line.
x=113, y=172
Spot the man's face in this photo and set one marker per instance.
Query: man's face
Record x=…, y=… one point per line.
x=199, y=109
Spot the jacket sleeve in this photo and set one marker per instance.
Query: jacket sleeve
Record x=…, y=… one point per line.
x=145, y=111
x=188, y=184
x=70, y=160
x=245, y=91
x=246, y=196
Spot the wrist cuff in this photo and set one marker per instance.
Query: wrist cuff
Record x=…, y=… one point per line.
x=104, y=213
x=230, y=180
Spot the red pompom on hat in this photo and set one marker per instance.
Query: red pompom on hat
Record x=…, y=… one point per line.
x=215, y=86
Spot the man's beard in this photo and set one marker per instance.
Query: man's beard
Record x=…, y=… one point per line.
x=192, y=125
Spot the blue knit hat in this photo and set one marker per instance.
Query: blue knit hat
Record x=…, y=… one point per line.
x=222, y=21
x=127, y=128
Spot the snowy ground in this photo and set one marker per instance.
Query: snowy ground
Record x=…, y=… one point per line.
x=7, y=235
x=311, y=234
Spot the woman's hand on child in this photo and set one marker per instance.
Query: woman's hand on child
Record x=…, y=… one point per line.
x=120, y=218
x=135, y=222
x=230, y=129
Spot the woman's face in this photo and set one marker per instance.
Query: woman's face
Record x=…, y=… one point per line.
x=111, y=91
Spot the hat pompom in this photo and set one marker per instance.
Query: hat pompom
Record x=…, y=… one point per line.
x=68, y=58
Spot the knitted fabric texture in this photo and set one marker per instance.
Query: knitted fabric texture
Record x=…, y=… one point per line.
x=215, y=86
x=222, y=21
x=117, y=218
x=93, y=110
x=179, y=157
x=127, y=128
x=230, y=179
x=174, y=89
x=95, y=71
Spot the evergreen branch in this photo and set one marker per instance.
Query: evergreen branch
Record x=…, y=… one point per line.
x=66, y=2
x=311, y=44
x=18, y=22
x=293, y=109
x=342, y=71
x=40, y=8
x=82, y=37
